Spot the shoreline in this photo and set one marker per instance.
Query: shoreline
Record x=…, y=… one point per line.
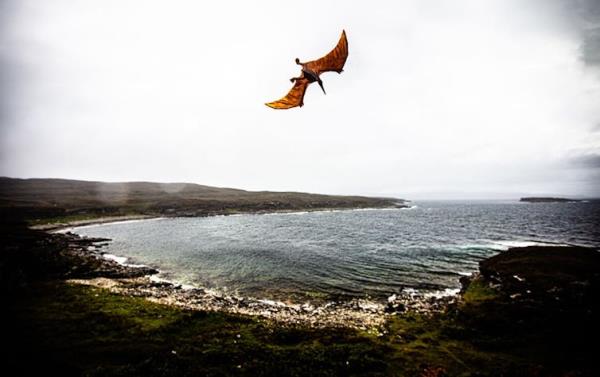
x=133, y=280
x=360, y=314
x=60, y=226
x=353, y=312
x=141, y=281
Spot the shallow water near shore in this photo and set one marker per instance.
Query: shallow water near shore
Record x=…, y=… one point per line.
x=345, y=254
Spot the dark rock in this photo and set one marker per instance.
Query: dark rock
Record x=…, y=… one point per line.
x=465, y=281
x=395, y=308
x=566, y=272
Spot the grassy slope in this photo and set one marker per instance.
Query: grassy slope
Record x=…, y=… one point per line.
x=83, y=329
x=80, y=330
x=90, y=330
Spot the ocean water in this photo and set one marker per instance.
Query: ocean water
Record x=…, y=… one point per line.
x=345, y=254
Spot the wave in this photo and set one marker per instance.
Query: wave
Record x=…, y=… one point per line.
x=320, y=211
x=122, y=261
x=503, y=245
x=442, y=293
x=506, y=244
x=429, y=294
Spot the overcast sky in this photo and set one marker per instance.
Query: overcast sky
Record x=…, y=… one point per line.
x=438, y=98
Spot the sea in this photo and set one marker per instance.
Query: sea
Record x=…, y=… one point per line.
x=344, y=254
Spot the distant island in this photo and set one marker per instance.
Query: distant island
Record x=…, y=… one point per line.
x=545, y=199
x=63, y=200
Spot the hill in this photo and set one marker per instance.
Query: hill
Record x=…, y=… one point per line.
x=52, y=198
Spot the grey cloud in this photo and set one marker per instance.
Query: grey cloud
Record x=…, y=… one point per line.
x=588, y=160
x=587, y=164
x=8, y=10
x=12, y=71
x=11, y=75
x=4, y=66
x=589, y=10
x=590, y=47
x=586, y=15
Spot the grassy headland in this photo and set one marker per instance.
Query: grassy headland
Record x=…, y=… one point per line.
x=60, y=200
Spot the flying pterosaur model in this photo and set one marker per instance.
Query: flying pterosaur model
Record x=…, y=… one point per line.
x=332, y=62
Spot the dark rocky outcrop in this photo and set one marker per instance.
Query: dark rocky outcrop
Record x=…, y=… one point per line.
x=28, y=256
x=538, y=302
x=569, y=274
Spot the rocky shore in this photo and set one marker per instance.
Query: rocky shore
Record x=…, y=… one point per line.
x=139, y=281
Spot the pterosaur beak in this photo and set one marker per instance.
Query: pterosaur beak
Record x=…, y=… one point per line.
x=321, y=85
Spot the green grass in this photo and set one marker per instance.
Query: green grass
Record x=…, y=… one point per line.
x=438, y=341
x=81, y=330
x=478, y=292
x=91, y=331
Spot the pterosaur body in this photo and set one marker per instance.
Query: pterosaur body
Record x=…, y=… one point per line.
x=311, y=71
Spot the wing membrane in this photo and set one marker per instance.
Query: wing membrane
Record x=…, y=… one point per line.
x=334, y=61
x=295, y=96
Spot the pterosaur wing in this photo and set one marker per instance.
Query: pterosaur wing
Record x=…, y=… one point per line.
x=295, y=96
x=334, y=61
